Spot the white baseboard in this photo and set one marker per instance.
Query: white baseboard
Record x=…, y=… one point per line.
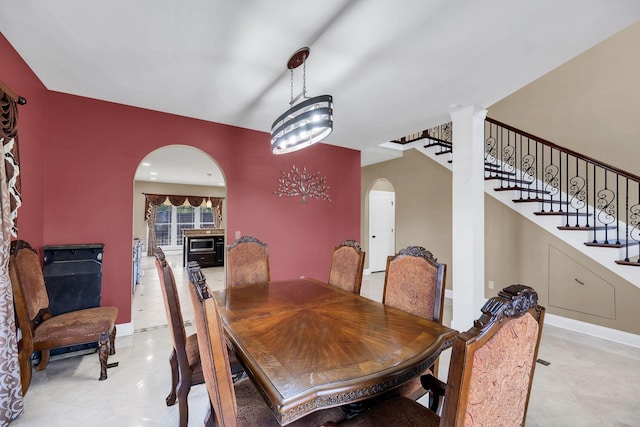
x=124, y=329
x=597, y=331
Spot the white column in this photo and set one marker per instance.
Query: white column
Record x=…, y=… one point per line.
x=468, y=215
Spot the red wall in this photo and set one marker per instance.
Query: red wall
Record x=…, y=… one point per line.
x=32, y=137
x=79, y=157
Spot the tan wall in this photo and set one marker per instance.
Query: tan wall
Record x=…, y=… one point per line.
x=141, y=187
x=423, y=203
x=518, y=251
x=589, y=104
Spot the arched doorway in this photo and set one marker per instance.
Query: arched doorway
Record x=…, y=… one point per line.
x=178, y=170
x=381, y=213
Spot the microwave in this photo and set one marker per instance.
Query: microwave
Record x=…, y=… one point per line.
x=201, y=244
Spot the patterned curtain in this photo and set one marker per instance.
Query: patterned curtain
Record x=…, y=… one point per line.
x=152, y=245
x=152, y=201
x=11, y=403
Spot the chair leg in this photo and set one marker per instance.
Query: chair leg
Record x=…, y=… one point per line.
x=103, y=355
x=26, y=367
x=184, y=386
x=173, y=363
x=112, y=341
x=44, y=360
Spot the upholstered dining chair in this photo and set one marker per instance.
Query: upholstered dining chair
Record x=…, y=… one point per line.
x=490, y=373
x=347, y=265
x=238, y=404
x=415, y=282
x=43, y=332
x=247, y=262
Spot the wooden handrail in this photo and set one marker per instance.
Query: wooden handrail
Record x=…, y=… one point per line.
x=567, y=150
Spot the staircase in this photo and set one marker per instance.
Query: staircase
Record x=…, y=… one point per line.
x=590, y=205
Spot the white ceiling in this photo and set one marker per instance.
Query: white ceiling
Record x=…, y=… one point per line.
x=393, y=67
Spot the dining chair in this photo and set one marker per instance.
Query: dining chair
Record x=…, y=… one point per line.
x=415, y=282
x=490, y=372
x=347, y=265
x=40, y=331
x=238, y=404
x=247, y=262
x=186, y=369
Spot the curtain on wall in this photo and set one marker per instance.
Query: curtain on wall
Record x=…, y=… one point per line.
x=11, y=404
x=151, y=201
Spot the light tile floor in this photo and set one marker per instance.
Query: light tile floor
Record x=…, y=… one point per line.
x=590, y=382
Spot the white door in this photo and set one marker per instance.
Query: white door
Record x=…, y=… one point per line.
x=381, y=228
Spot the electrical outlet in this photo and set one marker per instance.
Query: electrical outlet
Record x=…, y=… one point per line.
x=491, y=286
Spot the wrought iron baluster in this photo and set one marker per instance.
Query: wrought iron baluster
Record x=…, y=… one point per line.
x=566, y=189
x=635, y=220
x=617, y=213
x=537, y=173
x=595, y=219
x=626, y=222
x=586, y=191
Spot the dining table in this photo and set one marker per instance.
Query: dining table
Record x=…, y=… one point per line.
x=308, y=346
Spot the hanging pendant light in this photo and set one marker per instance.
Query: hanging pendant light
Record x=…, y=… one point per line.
x=209, y=204
x=305, y=123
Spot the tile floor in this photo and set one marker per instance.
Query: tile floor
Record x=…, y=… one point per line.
x=590, y=382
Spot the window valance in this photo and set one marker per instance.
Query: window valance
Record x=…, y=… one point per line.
x=176, y=200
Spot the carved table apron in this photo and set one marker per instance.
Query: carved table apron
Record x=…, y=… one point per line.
x=308, y=346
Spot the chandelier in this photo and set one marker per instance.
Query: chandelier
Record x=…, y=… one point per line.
x=307, y=121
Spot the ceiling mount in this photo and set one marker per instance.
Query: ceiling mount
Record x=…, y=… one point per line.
x=298, y=58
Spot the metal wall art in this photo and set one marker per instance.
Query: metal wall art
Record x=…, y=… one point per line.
x=305, y=184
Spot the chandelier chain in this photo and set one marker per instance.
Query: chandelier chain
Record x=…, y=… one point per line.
x=291, y=99
x=304, y=76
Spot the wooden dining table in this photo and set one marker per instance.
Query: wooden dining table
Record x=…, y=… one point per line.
x=309, y=346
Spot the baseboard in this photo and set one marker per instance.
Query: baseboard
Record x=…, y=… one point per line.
x=124, y=329
x=596, y=331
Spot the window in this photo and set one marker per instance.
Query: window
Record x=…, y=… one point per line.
x=171, y=221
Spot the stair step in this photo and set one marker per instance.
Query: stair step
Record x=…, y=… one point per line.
x=490, y=167
x=507, y=179
x=444, y=152
x=602, y=244
x=585, y=228
x=519, y=188
x=629, y=262
x=539, y=200
x=498, y=173
x=561, y=213
x=437, y=144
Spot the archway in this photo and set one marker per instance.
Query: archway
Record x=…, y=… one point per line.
x=179, y=170
x=381, y=221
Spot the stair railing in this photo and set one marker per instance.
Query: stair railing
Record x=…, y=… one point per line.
x=587, y=193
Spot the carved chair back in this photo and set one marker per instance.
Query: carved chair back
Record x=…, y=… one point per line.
x=492, y=364
x=414, y=282
x=172, y=308
x=247, y=262
x=347, y=266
